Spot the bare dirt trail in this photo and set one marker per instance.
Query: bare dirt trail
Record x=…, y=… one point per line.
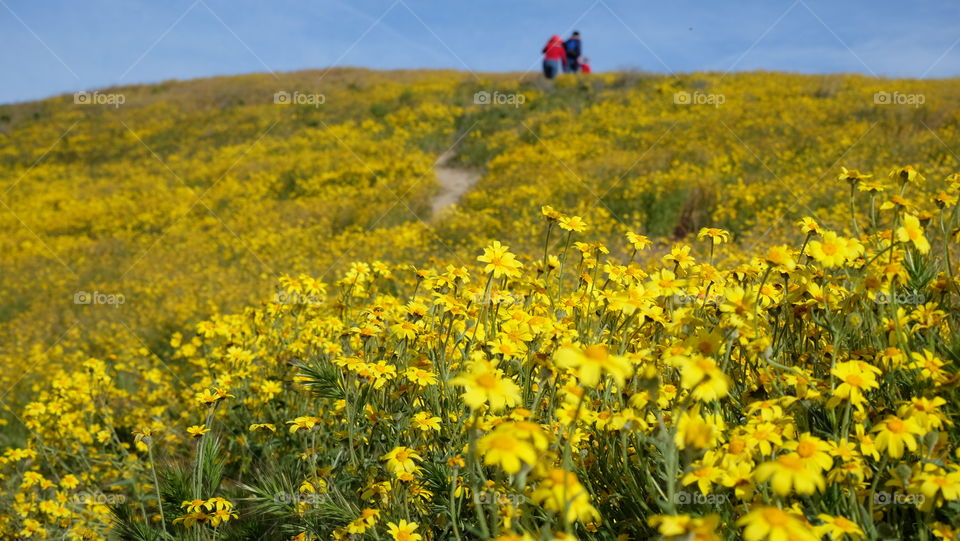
x=454, y=182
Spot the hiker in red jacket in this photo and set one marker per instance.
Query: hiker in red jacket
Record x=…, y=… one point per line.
x=585, y=65
x=554, y=57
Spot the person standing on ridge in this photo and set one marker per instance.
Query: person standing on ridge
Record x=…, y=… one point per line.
x=554, y=57
x=574, y=49
x=585, y=65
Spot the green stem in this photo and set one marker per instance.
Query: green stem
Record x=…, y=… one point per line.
x=853, y=209
x=756, y=303
x=156, y=485
x=453, y=504
x=563, y=260
x=474, y=468
x=946, y=251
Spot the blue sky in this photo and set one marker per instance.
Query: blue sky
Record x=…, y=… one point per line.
x=56, y=46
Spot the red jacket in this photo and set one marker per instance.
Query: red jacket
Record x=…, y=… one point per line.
x=554, y=50
x=585, y=68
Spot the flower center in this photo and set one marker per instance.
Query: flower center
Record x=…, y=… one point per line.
x=775, y=517
x=487, y=380
x=896, y=426
x=792, y=462
x=806, y=449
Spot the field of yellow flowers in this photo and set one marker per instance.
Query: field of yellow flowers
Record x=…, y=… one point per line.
x=696, y=307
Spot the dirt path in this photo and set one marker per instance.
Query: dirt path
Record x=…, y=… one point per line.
x=454, y=182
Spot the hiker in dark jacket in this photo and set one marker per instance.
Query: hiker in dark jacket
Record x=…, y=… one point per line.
x=573, y=48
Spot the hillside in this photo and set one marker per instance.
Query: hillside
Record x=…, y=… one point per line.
x=199, y=238
x=104, y=198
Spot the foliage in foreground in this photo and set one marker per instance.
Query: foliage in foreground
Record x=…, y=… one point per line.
x=808, y=393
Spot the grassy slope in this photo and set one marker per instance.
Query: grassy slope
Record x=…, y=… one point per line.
x=115, y=204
